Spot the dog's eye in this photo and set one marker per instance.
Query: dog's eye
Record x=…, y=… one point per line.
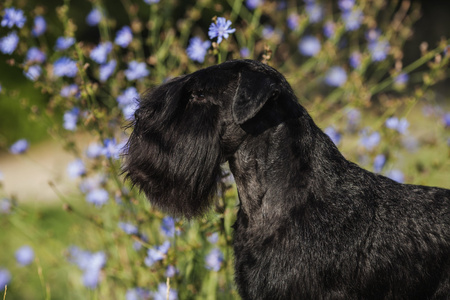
x=197, y=97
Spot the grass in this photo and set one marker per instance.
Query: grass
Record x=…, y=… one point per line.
x=49, y=229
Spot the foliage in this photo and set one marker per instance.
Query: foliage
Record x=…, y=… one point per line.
x=344, y=60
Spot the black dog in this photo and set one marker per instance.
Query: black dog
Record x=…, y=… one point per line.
x=311, y=225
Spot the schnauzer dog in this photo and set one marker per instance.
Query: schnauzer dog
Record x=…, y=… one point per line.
x=310, y=225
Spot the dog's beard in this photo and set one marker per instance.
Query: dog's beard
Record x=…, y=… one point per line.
x=176, y=163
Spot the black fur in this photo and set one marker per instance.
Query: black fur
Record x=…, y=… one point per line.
x=311, y=225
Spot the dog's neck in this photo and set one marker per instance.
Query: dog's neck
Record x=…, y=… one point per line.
x=259, y=166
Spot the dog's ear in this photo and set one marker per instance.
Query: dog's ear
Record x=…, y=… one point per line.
x=253, y=91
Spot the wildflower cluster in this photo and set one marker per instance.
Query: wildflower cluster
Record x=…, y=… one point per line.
x=346, y=66
x=90, y=263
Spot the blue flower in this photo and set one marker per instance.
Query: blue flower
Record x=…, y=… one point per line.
x=151, y=1
x=63, y=43
x=79, y=257
x=34, y=55
x=129, y=110
x=33, y=72
x=9, y=43
x=161, y=294
x=401, y=79
x=65, y=67
x=39, y=26
x=329, y=29
x=379, y=49
x=396, y=175
x=355, y=59
x=92, y=183
x=91, y=278
x=281, y=5
x=447, y=50
x=292, y=21
x=97, y=196
x=156, y=254
x=353, y=117
x=5, y=206
x=446, y=120
x=171, y=271
x=253, y=4
x=244, y=52
x=373, y=34
x=309, y=46
x=336, y=77
x=70, y=90
x=94, y=150
x=369, y=141
x=107, y=70
x=137, y=294
x=13, y=17
x=352, y=19
x=346, y=5
x=197, y=49
x=214, y=260
x=136, y=70
x=334, y=135
x=25, y=255
x=90, y=263
x=314, y=12
x=5, y=278
x=124, y=37
x=76, y=168
x=94, y=17
x=71, y=118
x=168, y=226
x=109, y=147
x=391, y=122
x=213, y=238
x=378, y=163
x=399, y=125
x=221, y=29
x=128, y=228
x=19, y=147
x=268, y=32
x=112, y=149
x=100, y=53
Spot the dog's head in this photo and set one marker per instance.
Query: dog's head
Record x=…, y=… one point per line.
x=185, y=128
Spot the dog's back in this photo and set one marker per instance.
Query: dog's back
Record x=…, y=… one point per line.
x=338, y=231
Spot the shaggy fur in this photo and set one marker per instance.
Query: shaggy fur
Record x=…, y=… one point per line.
x=311, y=225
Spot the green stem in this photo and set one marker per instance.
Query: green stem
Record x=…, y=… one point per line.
x=84, y=79
x=418, y=63
x=103, y=26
